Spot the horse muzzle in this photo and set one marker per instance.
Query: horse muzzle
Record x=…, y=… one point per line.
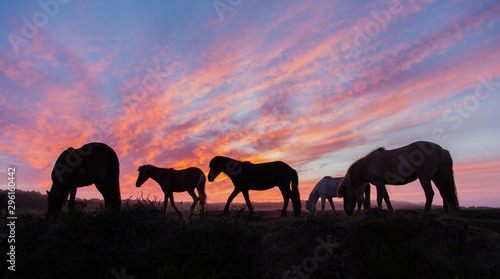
x=212, y=175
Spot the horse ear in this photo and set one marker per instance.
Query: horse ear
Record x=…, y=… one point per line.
x=48, y=193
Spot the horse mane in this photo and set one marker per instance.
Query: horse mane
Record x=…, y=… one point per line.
x=371, y=152
x=142, y=167
x=243, y=162
x=246, y=163
x=237, y=160
x=376, y=150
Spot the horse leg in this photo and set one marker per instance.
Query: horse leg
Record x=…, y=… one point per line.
x=165, y=204
x=173, y=204
x=323, y=201
x=235, y=192
x=429, y=193
x=439, y=185
x=366, y=203
x=286, y=198
x=383, y=190
x=195, y=201
x=109, y=195
x=247, y=200
x=332, y=205
x=379, y=198
x=360, y=200
x=72, y=197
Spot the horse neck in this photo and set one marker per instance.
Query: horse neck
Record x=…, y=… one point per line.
x=225, y=163
x=157, y=174
x=314, y=196
x=358, y=172
x=226, y=160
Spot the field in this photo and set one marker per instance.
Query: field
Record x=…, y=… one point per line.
x=140, y=242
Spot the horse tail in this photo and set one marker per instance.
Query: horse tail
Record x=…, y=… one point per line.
x=295, y=193
x=112, y=180
x=200, y=186
x=449, y=189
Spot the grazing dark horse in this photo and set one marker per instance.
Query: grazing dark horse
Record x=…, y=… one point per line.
x=426, y=161
x=94, y=163
x=171, y=180
x=326, y=188
x=247, y=176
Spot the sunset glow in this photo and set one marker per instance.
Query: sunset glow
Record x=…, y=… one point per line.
x=316, y=84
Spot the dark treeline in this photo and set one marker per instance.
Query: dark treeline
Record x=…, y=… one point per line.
x=29, y=201
x=35, y=202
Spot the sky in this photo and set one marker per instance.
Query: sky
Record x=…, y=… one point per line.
x=316, y=84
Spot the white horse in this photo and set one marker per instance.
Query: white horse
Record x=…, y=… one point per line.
x=326, y=188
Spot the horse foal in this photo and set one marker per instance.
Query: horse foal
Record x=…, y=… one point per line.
x=171, y=181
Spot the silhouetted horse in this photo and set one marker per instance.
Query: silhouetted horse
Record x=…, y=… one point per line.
x=423, y=160
x=94, y=163
x=326, y=188
x=171, y=180
x=247, y=176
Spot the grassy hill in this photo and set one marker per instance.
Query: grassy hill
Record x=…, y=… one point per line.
x=140, y=242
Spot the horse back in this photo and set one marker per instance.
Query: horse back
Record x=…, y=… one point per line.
x=328, y=186
x=85, y=165
x=403, y=165
x=180, y=180
x=264, y=175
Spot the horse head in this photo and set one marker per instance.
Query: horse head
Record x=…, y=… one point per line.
x=216, y=167
x=311, y=207
x=56, y=198
x=347, y=191
x=143, y=175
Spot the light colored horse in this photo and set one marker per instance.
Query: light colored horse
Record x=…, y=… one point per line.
x=326, y=188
